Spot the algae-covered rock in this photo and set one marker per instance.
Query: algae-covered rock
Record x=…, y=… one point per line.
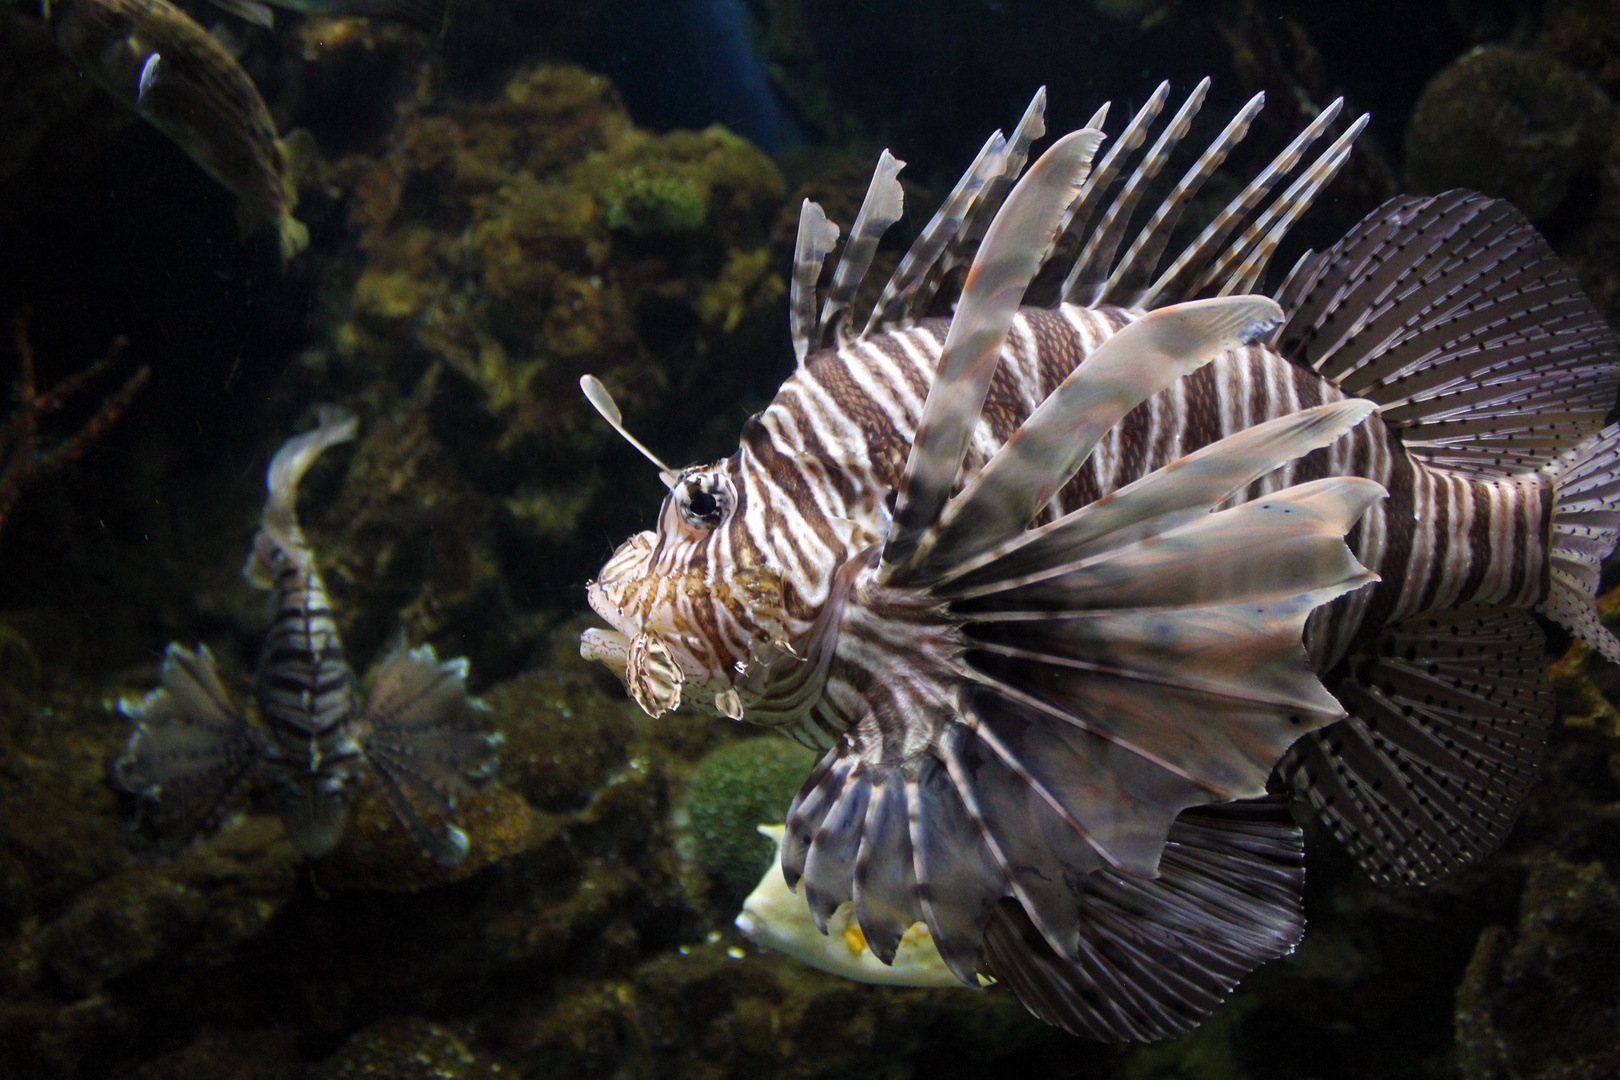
x=377, y=853
x=1517, y=125
x=565, y=735
x=735, y=789
x=1542, y=1002
x=647, y=203
x=406, y=1049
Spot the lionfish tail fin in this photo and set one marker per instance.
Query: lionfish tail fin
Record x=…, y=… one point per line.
x=1155, y=956
x=428, y=742
x=279, y=522
x=1585, y=528
x=190, y=751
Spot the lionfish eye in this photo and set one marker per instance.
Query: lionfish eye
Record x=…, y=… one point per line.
x=703, y=501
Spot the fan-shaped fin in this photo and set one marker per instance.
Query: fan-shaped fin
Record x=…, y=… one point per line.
x=1154, y=956
x=190, y=750
x=426, y=743
x=1448, y=715
x=1456, y=317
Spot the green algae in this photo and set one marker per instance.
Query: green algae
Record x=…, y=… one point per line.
x=734, y=789
x=646, y=203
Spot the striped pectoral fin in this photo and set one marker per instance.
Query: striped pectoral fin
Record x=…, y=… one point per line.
x=1154, y=956
x=190, y=750
x=1001, y=499
x=427, y=742
x=1448, y=717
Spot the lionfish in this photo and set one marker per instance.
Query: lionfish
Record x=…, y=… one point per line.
x=1075, y=586
x=418, y=735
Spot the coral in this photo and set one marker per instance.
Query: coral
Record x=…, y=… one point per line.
x=734, y=789
x=23, y=463
x=1518, y=125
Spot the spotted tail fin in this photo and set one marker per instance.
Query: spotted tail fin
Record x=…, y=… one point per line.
x=1585, y=528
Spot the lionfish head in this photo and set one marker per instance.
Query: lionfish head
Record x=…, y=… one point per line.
x=689, y=615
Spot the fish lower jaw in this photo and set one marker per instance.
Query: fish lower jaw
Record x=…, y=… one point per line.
x=606, y=647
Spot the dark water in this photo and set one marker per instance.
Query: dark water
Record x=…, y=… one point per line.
x=465, y=269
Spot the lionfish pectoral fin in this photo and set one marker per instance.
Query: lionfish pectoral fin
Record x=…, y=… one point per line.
x=1013, y=250
x=1155, y=956
x=1449, y=713
x=190, y=751
x=427, y=742
x=1003, y=497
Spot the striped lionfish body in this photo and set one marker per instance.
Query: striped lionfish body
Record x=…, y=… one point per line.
x=418, y=735
x=1065, y=583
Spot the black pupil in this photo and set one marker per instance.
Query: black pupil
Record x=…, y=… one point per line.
x=703, y=505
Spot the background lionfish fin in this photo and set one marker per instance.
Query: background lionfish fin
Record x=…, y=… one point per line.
x=1585, y=527
x=1002, y=498
x=1014, y=247
x=427, y=744
x=816, y=239
x=1153, y=957
x=1448, y=715
x=190, y=751
x=287, y=468
x=1087, y=278
x=882, y=207
x=898, y=306
x=1459, y=320
x=1187, y=276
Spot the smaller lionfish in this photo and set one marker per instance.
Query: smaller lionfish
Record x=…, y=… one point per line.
x=419, y=736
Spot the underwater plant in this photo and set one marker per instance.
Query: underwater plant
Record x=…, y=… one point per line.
x=24, y=462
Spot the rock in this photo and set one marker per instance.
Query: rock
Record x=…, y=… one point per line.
x=1517, y=125
x=1541, y=1002
x=406, y=1049
x=565, y=734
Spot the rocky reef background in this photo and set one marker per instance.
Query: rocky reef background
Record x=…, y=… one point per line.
x=557, y=187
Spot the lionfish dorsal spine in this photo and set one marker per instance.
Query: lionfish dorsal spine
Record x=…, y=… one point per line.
x=882, y=207
x=1015, y=246
x=816, y=238
x=1088, y=278
x=1125, y=286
